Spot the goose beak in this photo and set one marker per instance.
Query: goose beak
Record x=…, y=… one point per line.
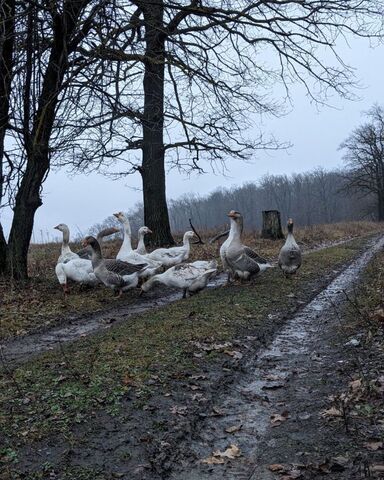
x=57, y=227
x=149, y=231
x=116, y=230
x=84, y=243
x=116, y=215
x=231, y=214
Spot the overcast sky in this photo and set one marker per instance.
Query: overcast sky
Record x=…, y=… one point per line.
x=82, y=201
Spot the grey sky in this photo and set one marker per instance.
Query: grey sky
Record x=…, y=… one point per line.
x=82, y=200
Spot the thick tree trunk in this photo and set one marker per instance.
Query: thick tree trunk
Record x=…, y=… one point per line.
x=7, y=28
x=153, y=163
x=272, y=225
x=27, y=202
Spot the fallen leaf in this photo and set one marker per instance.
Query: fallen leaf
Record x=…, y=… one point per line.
x=216, y=411
x=232, y=452
x=277, y=419
x=277, y=467
x=332, y=412
x=272, y=378
x=234, y=428
x=234, y=354
x=213, y=461
x=355, y=385
x=373, y=446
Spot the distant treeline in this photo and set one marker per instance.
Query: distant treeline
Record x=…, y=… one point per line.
x=310, y=198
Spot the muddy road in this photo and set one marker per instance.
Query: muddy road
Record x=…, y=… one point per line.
x=273, y=411
x=229, y=416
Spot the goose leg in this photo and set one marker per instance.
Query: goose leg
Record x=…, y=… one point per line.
x=66, y=289
x=184, y=293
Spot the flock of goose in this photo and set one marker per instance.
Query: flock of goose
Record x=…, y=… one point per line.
x=167, y=266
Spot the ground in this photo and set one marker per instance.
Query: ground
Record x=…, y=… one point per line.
x=165, y=393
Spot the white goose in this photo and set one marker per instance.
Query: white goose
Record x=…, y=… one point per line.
x=189, y=277
x=290, y=253
x=238, y=259
x=141, y=248
x=71, y=266
x=127, y=254
x=174, y=255
x=66, y=252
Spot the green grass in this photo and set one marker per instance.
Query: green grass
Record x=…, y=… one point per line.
x=61, y=388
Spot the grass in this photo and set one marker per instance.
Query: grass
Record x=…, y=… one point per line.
x=40, y=301
x=62, y=388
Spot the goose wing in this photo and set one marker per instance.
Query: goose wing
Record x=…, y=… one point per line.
x=123, y=268
x=254, y=256
x=244, y=263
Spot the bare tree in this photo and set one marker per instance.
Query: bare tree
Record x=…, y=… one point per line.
x=202, y=71
x=364, y=156
x=45, y=61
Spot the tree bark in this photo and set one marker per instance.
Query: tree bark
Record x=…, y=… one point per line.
x=272, y=225
x=153, y=163
x=7, y=30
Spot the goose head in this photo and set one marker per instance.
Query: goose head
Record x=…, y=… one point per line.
x=91, y=241
x=188, y=235
x=145, y=230
x=62, y=227
x=237, y=218
x=290, y=225
x=120, y=217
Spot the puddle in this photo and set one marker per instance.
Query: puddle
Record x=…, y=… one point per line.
x=250, y=403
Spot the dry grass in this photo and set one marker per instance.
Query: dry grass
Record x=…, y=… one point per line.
x=41, y=301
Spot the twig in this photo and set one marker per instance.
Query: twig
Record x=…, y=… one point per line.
x=200, y=241
x=218, y=236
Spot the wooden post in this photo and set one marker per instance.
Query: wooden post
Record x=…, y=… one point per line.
x=272, y=225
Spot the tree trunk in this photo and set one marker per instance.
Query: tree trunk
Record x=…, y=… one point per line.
x=153, y=164
x=27, y=202
x=380, y=206
x=272, y=225
x=7, y=29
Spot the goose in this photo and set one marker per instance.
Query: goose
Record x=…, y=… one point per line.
x=115, y=274
x=189, y=277
x=290, y=253
x=238, y=259
x=78, y=270
x=66, y=252
x=86, y=252
x=169, y=257
x=127, y=254
x=141, y=249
